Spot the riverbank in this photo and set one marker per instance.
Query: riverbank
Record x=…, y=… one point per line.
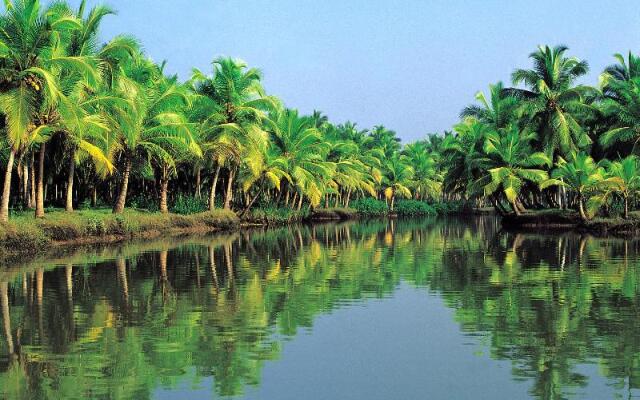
x=25, y=235
x=569, y=220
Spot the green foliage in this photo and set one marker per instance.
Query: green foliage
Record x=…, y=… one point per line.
x=368, y=206
x=414, y=208
x=187, y=204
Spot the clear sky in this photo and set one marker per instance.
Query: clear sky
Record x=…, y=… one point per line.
x=410, y=65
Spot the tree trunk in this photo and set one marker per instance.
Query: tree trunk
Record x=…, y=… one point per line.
x=583, y=215
x=348, y=198
x=212, y=194
x=32, y=167
x=118, y=208
x=72, y=169
x=40, y=184
x=25, y=185
x=164, y=186
x=514, y=205
x=626, y=208
x=198, y=179
x=229, y=194
x=94, y=196
x=393, y=200
x=253, y=200
x=300, y=202
x=6, y=189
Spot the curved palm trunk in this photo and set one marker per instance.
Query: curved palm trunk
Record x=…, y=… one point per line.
x=164, y=188
x=6, y=189
x=253, y=200
x=72, y=169
x=514, y=205
x=583, y=214
x=393, y=201
x=229, y=194
x=118, y=208
x=212, y=194
x=40, y=184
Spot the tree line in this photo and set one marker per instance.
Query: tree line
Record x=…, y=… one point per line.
x=90, y=123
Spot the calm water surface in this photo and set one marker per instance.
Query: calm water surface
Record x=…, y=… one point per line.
x=415, y=309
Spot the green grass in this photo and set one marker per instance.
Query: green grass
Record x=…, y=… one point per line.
x=24, y=233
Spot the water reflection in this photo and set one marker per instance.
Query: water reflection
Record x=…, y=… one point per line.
x=119, y=322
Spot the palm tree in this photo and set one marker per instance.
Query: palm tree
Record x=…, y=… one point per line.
x=551, y=102
x=149, y=125
x=625, y=70
x=30, y=94
x=497, y=111
x=397, y=178
x=622, y=105
x=273, y=169
x=626, y=179
x=460, y=154
x=233, y=109
x=510, y=164
x=582, y=175
x=428, y=180
x=299, y=142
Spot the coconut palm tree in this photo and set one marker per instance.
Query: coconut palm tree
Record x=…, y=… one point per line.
x=511, y=163
x=582, y=175
x=298, y=140
x=398, y=176
x=31, y=56
x=625, y=180
x=497, y=111
x=551, y=103
x=149, y=125
x=234, y=106
x=428, y=180
x=622, y=105
x=269, y=175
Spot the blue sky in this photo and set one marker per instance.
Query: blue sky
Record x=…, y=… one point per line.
x=410, y=65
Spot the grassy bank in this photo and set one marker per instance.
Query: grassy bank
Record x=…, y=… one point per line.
x=570, y=220
x=25, y=234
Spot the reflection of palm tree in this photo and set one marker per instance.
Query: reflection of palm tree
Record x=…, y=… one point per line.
x=6, y=319
x=121, y=266
x=212, y=266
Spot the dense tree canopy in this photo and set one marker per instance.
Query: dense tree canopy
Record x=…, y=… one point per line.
x=89, y=124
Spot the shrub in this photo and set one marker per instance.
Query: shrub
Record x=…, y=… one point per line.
x=369, y=206
x=187, y=205
x=414, y=207
x=277, y=215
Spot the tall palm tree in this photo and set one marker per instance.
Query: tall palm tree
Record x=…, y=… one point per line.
x=234, y=107
x=298, y=140
x=551, y=102
x=30, y=94
x=582, y=175
x=626, y=179
x=511, y=163
x=149, y=125
x=498, y=110
x=622, y=105
x=398, y=178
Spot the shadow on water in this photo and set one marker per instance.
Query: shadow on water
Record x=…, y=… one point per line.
x=121, y=321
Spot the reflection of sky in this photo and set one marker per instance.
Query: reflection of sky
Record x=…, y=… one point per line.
x=410, y=65
x=404, y=347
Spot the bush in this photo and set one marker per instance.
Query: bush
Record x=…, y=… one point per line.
x=187, y=205
x=369, y=206
x=413, y=207
x=277, y=215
